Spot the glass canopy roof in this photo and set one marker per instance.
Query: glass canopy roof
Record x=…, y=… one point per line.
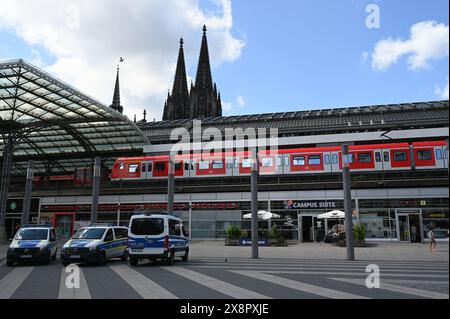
x=49, y=119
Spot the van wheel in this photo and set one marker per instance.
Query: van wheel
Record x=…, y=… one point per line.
x=134, y=261
x=101, y=258
x=186, y=255
x=170, y=260
x=124, y=257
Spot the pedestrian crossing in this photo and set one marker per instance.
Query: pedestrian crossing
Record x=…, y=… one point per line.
x=238, y=278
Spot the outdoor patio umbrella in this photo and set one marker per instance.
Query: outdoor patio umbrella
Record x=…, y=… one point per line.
x=262, y=215
x=333, y=214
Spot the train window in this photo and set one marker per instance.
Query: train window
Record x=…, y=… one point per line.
x=236, y=163
x=314, y=160
x=247, y=163
x=286, y=160
x=327, y=159
x=144, y=167
x=377, y=157
x=229, y=163
x=266, y=161
x=334, y=158
x=186, y=166
x=424, y=155
x=217, y=164
x=386, y=156
x=133, y=168
x=149, y=167
x=298, y=161
x=364, y=157
x=438, y=154
x=121, y=165
x=177, y=166
x=160, y=167
x=203, y=165
x=400, y=156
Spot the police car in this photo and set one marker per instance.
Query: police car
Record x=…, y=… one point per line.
x=157, y=236
x=96, y=244
x=36, y=243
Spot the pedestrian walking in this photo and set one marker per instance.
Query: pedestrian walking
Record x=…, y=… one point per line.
x=432, y=237
x=413, y=233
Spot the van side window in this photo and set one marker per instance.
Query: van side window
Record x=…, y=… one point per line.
x=120, y=233
x=174, y=227
x=109, y=236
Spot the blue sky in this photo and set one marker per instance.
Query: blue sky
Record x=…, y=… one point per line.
x=307, y=54
x=268, y=56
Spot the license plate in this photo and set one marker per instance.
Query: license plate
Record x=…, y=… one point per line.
x=26, y=256
x=75, y=256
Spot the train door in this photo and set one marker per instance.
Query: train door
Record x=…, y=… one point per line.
x=187, y=169
x=229, y=164
x=334, y=158
x=286, y=163
x=440, y=156
x=327, y=165
x=146, y=169
x=378, y=156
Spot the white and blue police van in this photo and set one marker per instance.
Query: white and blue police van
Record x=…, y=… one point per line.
x=157, y=236
x=95, y=244
x=33, y=243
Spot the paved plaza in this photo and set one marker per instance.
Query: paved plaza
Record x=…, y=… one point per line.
x=305, y=270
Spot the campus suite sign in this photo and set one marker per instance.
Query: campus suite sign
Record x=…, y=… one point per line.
x=134, y=207
x=290, y=204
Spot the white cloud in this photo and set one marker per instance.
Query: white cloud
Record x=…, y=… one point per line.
x=240, y=101
x=442, y=91
x=227, y=107
x=86, y=38
x=428, y=41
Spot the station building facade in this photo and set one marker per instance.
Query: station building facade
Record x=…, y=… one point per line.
x=387, y=213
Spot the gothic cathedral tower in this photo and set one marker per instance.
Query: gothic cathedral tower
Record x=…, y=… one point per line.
x=203, y=100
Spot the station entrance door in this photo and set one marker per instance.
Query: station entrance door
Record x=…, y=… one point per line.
x=409, y=225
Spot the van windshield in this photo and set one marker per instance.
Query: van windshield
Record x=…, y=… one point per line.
x=32, y=234
x=147, y=226
x=89, y=233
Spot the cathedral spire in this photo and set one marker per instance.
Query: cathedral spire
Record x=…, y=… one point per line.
x=116, y=97
x=203, y=80
x=177, y=103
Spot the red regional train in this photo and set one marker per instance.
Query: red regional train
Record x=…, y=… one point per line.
x=374, y=157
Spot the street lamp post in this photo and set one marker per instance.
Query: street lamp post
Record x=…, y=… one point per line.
x=254, y=205
x=347, y=203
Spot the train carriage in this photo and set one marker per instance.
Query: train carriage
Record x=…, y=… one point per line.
x=318, y=160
